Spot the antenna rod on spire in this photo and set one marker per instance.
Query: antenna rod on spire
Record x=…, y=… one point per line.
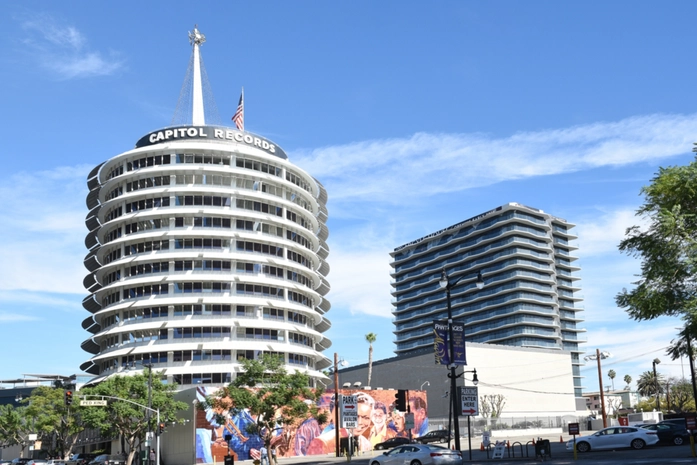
x=198, y=117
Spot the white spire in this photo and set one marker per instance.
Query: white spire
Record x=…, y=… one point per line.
x=198, y=117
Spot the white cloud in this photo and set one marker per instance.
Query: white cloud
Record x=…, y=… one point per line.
x=602, y=233
x=395, y=171
x=44, y=230
x=63, y=50
x=14, y=317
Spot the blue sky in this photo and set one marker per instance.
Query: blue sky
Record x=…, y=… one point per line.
x=413, y=116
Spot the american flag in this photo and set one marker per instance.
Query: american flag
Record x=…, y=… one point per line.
x=238, y=117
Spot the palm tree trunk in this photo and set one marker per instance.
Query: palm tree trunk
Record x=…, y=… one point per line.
x=370, y=363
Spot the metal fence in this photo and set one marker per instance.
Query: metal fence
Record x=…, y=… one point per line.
x=478, y=425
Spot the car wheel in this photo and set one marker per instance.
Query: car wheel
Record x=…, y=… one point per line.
x=678, y=440
x=583, y=446
x=638, y=444
x=415, y=462
x=375, y=463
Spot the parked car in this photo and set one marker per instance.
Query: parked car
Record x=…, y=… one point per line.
x=37, y=462
x=615, y=437
x=424, y=454
x=440, y=435
x=20, y=461
x=670, y=432
x=106, y=459
x=81, y=459
x=392, y=442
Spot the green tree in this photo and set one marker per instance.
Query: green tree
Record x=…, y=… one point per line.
x=611, y=374
x=628, y=381
x=666, y=247
x=15, y=427
x=648, y=385
x=127, y=419
x=272, y=396
x=370, y=338
x=54, y=420
x=681, y=399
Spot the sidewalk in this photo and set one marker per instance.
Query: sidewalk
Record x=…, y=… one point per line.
x=558, y=442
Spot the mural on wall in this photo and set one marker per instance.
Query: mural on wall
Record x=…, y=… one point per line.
x=378, y=420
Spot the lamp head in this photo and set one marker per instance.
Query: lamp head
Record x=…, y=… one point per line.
x=475, y=380
x=443, y=279
x=656, y=361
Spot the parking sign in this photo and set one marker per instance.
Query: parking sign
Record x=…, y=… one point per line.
x=349, y=411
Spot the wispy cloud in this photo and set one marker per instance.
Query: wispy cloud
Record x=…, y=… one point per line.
x=14, y=317
x=393, y=171
x=44, y=230
x=64, y=50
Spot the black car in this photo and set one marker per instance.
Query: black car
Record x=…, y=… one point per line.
x=670, y=432
x=434, y=436
x=106, y=459
x=81, y=459
x=392, y=442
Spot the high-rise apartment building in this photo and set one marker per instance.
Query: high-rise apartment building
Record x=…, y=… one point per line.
x=207, y=246
x=530, y=294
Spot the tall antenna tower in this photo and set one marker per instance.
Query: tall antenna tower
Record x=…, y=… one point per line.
x=196, y=105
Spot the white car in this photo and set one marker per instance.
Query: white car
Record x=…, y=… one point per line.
x=418, y=454
x=615, y=437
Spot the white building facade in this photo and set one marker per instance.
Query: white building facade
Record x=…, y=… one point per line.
x=530, y=294
x=207, y=246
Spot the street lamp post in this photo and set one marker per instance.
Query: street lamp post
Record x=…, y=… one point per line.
x=657, y=386
x=446, y=284
x=599, y=356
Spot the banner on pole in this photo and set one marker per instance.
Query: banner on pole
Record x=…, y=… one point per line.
x=441, y=343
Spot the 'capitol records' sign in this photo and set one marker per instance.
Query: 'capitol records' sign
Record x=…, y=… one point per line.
x=212, y=133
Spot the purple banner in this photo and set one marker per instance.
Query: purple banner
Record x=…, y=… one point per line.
x=441, y=343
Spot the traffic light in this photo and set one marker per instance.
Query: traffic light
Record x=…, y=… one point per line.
x=161, y=428
x=68, y=398
x=400, y=402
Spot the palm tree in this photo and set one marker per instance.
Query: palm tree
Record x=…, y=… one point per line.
x=611, y=374
x=370, y=338
x=647, y=385
x=628, y=380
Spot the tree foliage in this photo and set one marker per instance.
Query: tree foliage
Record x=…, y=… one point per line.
x=15, y=427
x=627, y=380
x=611, y=374
x=370, y=338
x=681, y=399
x=53, y=419
x=492, y=405
x=667, y=248
x=126, y=419
x=648, y=385
x=272, y=396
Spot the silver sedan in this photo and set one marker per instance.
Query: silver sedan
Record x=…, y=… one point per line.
x=418, y=454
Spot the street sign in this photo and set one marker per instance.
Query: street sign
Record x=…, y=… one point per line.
x=409, y=421
x=469, y=399
x=93, y=403
x=573, y=429
x=691, y=423
x=349, y=412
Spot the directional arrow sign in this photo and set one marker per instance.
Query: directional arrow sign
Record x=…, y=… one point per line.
x=349, y=411
x=469, y=399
